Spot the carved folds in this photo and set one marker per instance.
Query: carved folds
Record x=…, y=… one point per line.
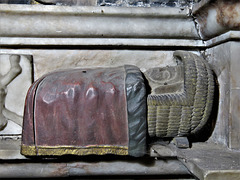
x=186, y=111
x=86, y=111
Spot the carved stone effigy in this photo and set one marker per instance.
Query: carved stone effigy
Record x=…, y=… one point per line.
x=103, y=111
x=182, y=113
x=5, y=80
x=86, y=111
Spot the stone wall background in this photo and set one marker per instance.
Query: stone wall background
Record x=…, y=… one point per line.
x=146, y=3
x=121, y=3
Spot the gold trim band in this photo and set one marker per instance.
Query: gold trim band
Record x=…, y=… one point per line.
x=73, y=150
x=28, y=150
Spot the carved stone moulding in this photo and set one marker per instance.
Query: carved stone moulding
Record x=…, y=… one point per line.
x=86, y=111
x=95, y=22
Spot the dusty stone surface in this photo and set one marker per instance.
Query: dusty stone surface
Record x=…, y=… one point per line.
x=225, y=62
x=217, y=17
x=234, y=141
x=114, y=43
x=51, y=60
x=235, y=73
x=90, y=21
x=11, y=129
x=10, y=147
x=219, y=58
x=228, y=36
x=95, y=167
x=234, y=119
x=211, y=161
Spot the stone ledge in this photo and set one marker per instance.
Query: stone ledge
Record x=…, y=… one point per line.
x=207, y=161
x=95, y=22
x=228, y=36
x=110, y=42
x=211, y=161
x=119, y=42
x=18, y=166
x=95, y=10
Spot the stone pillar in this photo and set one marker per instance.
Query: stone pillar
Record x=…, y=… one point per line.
x=225, y=61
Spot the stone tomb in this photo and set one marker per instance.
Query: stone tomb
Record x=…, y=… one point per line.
x=53, y=37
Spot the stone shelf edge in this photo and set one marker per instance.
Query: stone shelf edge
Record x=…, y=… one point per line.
x=228, y=36
x=23, y=167
x=207, y=161
x=141, y=42
x=102, y=168
x=16, y=41
x=211, y=161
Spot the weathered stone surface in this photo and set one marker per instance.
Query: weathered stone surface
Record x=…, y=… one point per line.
x=217, y=17
x=210, y=161
x=114, y=43
x=92, y=22
x=181, y=142
x=235, y=61
x=10, y=147
x=11, y=129
x=50, y=60
x=219, y=58
x=164, y=80
x=163, y=150
x=234, y=124
x=97, y=168
x=222, y=175
x=226, y=37
x=225, y=62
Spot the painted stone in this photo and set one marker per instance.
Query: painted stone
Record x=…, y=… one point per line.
x=86, y=111
x=185, y=111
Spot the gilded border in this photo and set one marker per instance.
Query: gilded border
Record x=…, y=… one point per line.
x=73, y=150
x=28, y=150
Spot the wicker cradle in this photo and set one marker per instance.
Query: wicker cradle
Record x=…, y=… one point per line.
x=185, y=113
